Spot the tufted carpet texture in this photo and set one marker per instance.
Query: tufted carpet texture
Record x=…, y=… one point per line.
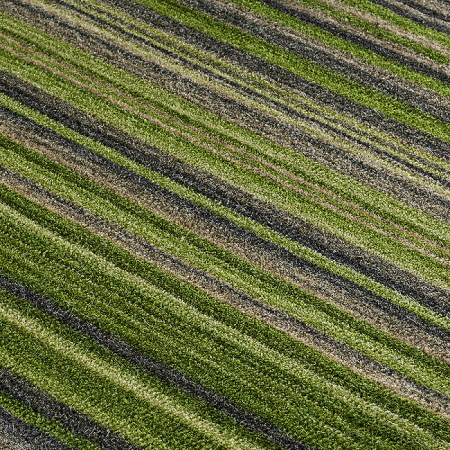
x=225, y=224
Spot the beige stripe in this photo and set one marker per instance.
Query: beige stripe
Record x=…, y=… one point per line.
x=347, y=358
x=126, y=381
x=318, y=287
x=380, y=22
x=294, y=183
x=418, y=14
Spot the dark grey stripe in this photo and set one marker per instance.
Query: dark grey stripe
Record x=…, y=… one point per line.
x=43, y=403
x=219, y=191
x=72, y=419
x=261, y=123
x=410, y=15
x=268, y=101
x=432, y=13
x=145, y=69
x=19, y=435
x=367, y=43
x=351, y=71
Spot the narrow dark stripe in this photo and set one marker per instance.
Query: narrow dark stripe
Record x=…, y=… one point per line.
x=296, y=46
x=409, y=15
x=432, y=13
x=83, y=425
x=145, y=69
x=324, y=59
x=268, y=101
x=284, y=223
x=39, y=401
x=364, y=42
x=19, y=435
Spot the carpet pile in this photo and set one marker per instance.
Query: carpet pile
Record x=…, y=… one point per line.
x=225, y=224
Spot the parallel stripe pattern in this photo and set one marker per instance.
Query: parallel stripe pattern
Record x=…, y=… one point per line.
x=224, y=224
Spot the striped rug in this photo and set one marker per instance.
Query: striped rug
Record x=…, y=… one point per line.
x=225, y=224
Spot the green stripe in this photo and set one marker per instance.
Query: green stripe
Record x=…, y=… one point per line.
x=297, y=346
x=299, y=66
x=315, y=317
x=211, y=347
x=18, y=409
x=430, y=269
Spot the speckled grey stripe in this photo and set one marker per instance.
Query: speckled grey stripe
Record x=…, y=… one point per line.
x=234, y=198
x=125, y=60
x=15, y=434
x=84, y=426
x=438, y=26
x=432, y=9
x=329, y=285
x=275, y=104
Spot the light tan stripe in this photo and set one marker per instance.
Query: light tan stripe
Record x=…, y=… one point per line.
x=418, y=14
x=118, y=377
x=340, y=354
x=294, y=185
x=380, y=22
x=318, y=287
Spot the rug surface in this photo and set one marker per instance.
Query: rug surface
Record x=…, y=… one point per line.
x=225, y=224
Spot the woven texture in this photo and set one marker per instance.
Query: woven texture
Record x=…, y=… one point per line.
x=224, y=224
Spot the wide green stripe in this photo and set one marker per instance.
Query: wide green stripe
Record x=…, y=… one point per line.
x=18, y=409
x=265, y=381
x=247, y=223
x=185, y=111
x=431, y=269
x=299, y=66
x=331, y=323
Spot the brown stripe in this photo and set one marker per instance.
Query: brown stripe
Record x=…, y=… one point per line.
x=337, y=351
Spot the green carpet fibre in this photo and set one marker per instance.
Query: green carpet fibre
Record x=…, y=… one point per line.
x=225, y=224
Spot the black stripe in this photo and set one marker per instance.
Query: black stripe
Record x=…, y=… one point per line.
x=74, y=420
x=39, y=401
x=366, y=43
x=362, y=76
x=409, y=15
x=129, y=61
x=235, y=199
x=268, y=101
x=19, y=435
x=441, y=15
